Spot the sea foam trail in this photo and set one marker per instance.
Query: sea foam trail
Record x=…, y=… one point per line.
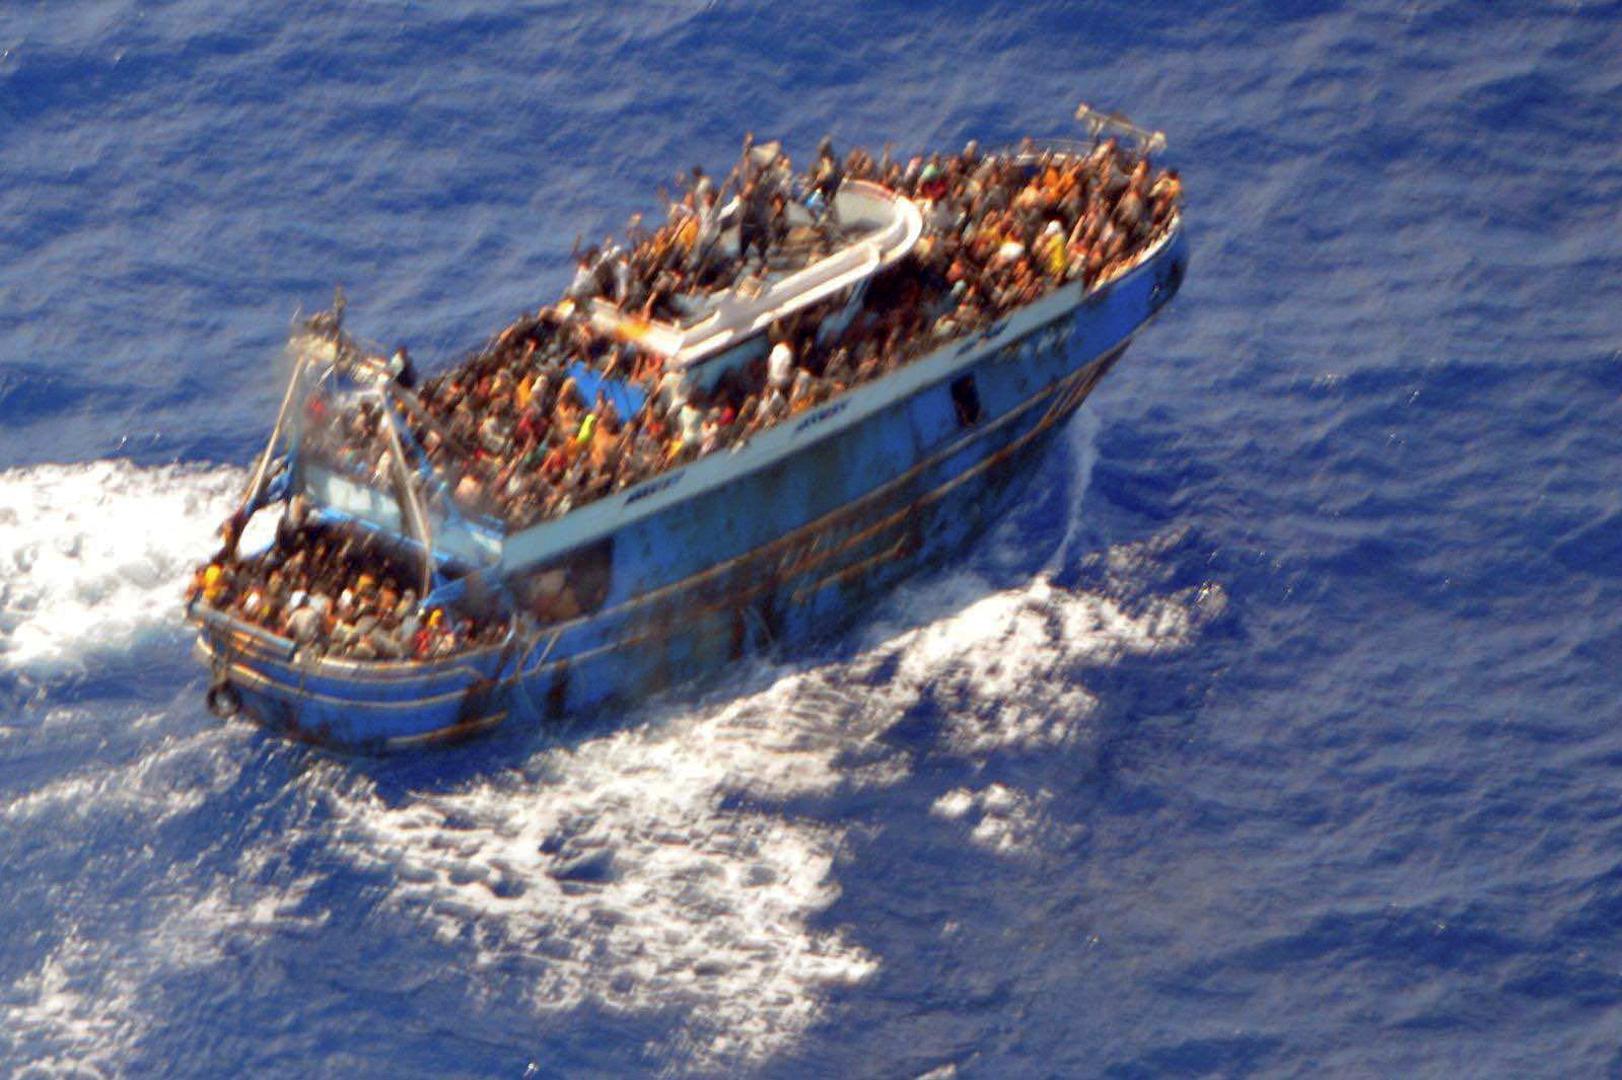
x=649, y=869
x=94, y=555
x=1080, y=437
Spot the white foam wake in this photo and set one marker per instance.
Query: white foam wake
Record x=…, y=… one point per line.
x=647, y=870
x=1080, y=437
x=653, y=866
x=1005, y=820
x=652, y=870
x=1003, y=666
x=622, y=879
x=94, y=555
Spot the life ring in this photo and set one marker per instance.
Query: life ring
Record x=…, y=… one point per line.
x=223, y=701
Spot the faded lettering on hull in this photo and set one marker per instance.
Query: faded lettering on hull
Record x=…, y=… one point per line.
x=653, y=487
x=827, y=412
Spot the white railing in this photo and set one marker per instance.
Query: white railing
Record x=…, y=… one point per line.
x=737, y=319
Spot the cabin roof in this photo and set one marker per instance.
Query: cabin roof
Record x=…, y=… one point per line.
x=880, y=227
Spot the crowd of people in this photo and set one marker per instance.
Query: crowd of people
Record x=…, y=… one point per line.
x=660, y=273
x=515, y=438
x=511, y=434
x=336, y=591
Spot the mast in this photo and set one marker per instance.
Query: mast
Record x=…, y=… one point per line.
x=416, y=517
x=330, y=323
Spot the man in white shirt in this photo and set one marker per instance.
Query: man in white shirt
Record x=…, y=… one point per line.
x=780, y=366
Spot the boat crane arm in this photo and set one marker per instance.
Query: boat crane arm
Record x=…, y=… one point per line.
x=410, y=498
x=251, y=498
x=1098, y=122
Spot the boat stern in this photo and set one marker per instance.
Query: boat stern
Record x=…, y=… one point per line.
x=344, y=705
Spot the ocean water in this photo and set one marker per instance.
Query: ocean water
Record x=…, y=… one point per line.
x=1274, y=733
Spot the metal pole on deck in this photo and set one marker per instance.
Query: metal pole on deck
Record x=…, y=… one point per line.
x=256, y=486
x=410, y=504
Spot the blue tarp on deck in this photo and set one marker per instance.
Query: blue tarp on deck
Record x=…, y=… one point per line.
x=627, y=397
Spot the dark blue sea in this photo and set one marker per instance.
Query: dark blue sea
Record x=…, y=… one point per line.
x=1277, y=731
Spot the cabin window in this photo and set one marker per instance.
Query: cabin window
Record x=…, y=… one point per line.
x=966, y=400
x=573, y=585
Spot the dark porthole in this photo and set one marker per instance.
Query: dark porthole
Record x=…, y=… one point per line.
x=966, y=400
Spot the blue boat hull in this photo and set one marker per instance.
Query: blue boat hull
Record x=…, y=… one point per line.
x=770, y=545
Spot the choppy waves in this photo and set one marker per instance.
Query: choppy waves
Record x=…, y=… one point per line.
x=133, y=917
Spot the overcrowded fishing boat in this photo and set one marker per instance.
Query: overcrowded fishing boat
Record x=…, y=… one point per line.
x=731, y=431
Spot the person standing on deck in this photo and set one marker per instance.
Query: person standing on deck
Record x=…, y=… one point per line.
x=709, y=233
x=754, y=222
x=826, y=178
x=402, y=370
x=584, y=286
x=780, y=366
x=701, y=185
